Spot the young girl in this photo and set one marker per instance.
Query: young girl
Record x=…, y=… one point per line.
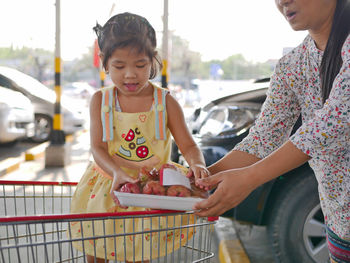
x=131, y=127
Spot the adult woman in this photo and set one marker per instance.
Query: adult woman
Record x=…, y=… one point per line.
x=313, y=80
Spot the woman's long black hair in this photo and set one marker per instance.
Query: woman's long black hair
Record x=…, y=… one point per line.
x=332, y=61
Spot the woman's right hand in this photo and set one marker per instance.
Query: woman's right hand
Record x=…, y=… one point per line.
x=119, y=179
x=233, y=186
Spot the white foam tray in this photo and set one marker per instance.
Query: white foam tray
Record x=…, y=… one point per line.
x=157, y=201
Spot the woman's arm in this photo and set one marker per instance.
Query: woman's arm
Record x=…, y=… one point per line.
x=233, y=159
x=279, y=112
x=184, y=139
x=234, y=185
x=272, y=127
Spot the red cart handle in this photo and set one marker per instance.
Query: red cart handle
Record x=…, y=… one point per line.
x=84, y=215
x=12, y=182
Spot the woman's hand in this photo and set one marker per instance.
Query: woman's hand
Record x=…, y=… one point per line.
x=119, y=179
x=199, y=171
x=233, y=186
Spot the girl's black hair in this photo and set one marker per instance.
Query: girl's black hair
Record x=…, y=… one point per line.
x=331, y=60
x=128, y=30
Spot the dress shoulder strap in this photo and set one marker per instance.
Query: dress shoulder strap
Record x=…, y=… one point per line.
x=107, y=113
x=160, y=111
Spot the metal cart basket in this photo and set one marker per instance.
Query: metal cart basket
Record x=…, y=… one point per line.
x=35, y=226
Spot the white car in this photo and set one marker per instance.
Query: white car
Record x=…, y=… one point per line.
x=16, y=116
x=79, y=90
x=44, y=100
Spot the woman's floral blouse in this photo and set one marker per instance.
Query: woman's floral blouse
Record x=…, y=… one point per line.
x=325, y=132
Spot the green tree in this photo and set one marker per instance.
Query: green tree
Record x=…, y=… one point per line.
x=184, y=63
x=35, y=62
x=81, y=69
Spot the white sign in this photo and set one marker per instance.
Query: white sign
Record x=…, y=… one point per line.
x=173, y=177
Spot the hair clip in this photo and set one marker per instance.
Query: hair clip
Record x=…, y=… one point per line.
x=98, y=29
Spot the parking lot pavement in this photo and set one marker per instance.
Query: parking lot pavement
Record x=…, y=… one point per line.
x=255, y=242
x=31, y=166
x=15, y=150
x=229, y=247
x=12, y=156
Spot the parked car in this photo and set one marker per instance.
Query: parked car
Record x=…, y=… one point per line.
x=43, y=100
x=79, y=90
x=16, y=116
x=289, y=205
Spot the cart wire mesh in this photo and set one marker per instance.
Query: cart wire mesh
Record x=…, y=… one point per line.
x=36, y=226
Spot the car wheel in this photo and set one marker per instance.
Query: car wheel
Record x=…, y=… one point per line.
x=296, y=224
x=43, y=127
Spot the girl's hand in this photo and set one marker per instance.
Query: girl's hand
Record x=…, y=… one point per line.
x=198, y=171
x=233, y=186
x=119, y=179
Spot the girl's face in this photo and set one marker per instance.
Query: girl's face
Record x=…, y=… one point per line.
x=129, y=70
x=312, y=15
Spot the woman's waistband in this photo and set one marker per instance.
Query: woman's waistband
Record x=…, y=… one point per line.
x=339, y=248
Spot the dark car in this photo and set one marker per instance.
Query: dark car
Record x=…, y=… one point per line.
x=289, y=205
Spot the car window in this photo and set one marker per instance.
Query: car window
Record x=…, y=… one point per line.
x=4, y=82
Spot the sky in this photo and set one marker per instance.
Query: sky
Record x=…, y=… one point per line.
x=216, y=29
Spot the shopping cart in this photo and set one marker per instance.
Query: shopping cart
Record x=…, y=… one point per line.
x=35, y=226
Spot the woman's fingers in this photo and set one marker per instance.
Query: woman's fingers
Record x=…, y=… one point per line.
x=210, y=181
x=213, y=206
x=211, y=201
x=233, y=187
x=216, y=204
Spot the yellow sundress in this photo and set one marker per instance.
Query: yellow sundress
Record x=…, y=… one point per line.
x=136, y=140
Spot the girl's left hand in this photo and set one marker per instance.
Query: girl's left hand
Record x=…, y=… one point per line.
x=120, y=178
x=199, y=171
